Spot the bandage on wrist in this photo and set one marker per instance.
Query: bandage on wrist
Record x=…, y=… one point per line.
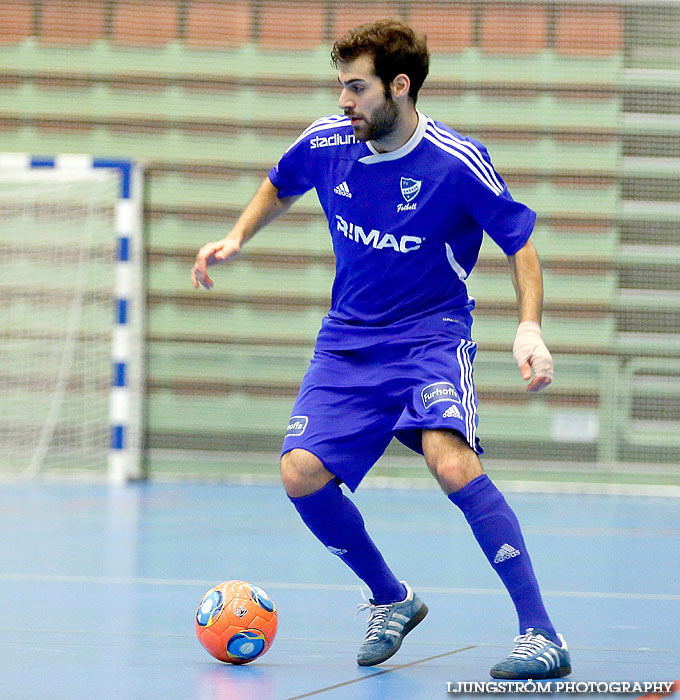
x=529, y=347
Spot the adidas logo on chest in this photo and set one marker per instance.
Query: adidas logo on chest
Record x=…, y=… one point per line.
x=343, y=190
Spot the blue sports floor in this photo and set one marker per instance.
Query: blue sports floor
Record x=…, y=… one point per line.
x=99, y=586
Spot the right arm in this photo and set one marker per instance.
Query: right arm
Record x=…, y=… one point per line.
x=264, y=207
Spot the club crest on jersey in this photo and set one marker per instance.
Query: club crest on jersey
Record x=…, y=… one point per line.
x=410, y=188
x=439, y=391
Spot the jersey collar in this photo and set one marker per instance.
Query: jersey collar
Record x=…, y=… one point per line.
x=417, y=137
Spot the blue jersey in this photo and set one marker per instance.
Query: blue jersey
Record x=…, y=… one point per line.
x=406, y=225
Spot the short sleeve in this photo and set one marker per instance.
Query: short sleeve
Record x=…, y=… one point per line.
x=293, y=174
x=488, y=201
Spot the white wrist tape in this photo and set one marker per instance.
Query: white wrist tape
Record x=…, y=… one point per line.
x=529, y=347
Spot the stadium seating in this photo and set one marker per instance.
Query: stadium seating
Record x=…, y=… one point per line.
x=650, y=408
x=211, y=24
x=285, y=23
x=351, y=14
x=148, y=23
x=16, y=21
x=588, y=31
x=72, y=22
x=514, y=29
x=449, y=27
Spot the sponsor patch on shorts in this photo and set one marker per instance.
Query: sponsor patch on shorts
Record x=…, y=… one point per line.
x=296, y=425
x=439, y=391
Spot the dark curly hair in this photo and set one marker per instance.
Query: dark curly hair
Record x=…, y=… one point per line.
x=395, y=48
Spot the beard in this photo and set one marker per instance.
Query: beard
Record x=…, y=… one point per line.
x=381, y=123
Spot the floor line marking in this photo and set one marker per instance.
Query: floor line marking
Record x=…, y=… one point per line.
x=70, y=632
x=122, y=580
x=379, y=673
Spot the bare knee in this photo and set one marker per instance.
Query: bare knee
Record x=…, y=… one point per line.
x=451, y=460
x=302, y=473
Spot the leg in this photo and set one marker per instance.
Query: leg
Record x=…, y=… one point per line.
x=336, y=522
x=340, y=425
x=302, y=473
x=539, y=651
x=459, y=472
x=450, y=459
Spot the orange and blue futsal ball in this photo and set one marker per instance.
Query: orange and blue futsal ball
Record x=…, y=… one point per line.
x=236, y=622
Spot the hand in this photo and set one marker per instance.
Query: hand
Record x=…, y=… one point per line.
x=533, y=356
x=210, y=254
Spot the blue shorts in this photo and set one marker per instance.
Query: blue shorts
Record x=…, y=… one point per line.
x=352, y=402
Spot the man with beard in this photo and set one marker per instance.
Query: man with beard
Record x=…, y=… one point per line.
x=407, y=200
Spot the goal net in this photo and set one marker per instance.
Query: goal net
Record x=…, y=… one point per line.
x=65, y=300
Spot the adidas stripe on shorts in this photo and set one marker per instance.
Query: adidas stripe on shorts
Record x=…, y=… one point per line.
x=353, y=402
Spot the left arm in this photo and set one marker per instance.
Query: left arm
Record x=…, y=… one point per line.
x=532, y=356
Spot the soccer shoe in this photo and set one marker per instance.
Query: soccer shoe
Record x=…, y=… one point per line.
x=388, y=625
x=535, y=657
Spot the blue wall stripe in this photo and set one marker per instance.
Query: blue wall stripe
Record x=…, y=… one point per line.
x=126, y=179
x=119, y=373
x=125, y=168
x=117, y=437
x=123, y=248
x=41, y=162
x=121, y=311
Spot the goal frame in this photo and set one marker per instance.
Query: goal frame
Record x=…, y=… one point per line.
x=127, y=357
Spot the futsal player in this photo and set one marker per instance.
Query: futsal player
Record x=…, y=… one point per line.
x=407, y=199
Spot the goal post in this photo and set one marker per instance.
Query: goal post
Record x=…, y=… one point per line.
x=71, y=316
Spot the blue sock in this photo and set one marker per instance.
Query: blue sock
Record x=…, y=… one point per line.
x=498, y=533
x=338, y=524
